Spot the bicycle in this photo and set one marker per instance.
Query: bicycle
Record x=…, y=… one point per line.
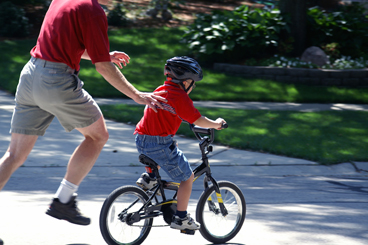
x=127, y=214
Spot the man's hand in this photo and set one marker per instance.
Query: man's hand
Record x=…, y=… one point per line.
x=151, y=99
x=118, y=57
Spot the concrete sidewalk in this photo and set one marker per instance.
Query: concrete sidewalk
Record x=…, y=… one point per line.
x=55, y=147
x=24, y=199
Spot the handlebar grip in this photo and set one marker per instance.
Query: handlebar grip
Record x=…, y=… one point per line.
x=201, y=130
x=224, y=125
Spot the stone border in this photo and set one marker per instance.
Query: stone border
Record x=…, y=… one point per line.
x=321, y=77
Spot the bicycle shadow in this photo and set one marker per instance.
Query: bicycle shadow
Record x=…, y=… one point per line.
x=205, y=244
x=226, y=244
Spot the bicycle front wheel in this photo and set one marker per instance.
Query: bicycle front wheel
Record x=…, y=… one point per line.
x=115, y=210
x=216, y=227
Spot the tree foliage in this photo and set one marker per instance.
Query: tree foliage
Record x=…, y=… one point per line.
x=254, y=33
x=297, y=10
x=23, y=3
x=347, y=28
x=13, y=22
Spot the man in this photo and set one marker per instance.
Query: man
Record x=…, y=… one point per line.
x=49, y=86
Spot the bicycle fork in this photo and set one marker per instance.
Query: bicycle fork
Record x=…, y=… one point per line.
x=211, y=204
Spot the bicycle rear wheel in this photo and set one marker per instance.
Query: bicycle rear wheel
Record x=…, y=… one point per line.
x=215, y=227
x=121, y=202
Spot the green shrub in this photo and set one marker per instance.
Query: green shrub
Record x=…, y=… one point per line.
x=117, y=16
x=236, y=35
x=346, y=28
x=13, y=22
x=332, y=50
x=261, y=33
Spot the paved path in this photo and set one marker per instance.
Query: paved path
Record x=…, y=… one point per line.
x=290, y=201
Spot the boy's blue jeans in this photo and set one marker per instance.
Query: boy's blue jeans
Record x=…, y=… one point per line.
x=166, y=154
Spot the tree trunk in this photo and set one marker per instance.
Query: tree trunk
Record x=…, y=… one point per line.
x=297, y=9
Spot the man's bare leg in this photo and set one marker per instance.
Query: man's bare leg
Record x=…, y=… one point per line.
x=83, y=159
x=86, y=154
x=81, y=162
x=20, y=147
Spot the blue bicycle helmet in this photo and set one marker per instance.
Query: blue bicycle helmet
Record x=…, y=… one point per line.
x=181, y=68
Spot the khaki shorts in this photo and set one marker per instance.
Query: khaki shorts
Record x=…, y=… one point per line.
x=48, y=89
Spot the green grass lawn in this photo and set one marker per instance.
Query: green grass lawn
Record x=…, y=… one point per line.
x=325, y=137
x=149, y=49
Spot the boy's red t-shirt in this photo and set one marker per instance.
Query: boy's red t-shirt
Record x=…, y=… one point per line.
x=167, y=121
x=69, y=28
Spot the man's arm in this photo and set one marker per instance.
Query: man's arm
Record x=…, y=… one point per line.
x=113, y=75
x=117, y=57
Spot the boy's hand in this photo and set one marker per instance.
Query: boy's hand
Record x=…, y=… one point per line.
x=220, y=122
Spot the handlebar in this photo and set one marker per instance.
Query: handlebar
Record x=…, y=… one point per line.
x=200, y=130
x=207, y=131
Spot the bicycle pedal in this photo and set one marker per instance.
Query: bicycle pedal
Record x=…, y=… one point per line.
x=187, y=231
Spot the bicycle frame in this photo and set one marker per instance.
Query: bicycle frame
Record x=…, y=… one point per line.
x=203, y=168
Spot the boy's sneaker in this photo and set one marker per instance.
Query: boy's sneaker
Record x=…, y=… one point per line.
x=146, y=182
x=184, y=223
x=68, y=212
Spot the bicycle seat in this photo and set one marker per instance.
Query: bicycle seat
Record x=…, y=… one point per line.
x=147, y=161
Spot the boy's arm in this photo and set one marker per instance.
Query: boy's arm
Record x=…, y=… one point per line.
x=204, y=122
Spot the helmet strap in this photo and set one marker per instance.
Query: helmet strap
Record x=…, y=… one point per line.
x=181, y=83
x=186, y=89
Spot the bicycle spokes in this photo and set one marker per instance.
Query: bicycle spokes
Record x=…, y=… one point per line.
x=221, y=214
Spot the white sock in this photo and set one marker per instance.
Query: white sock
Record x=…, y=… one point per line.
x=65, y=191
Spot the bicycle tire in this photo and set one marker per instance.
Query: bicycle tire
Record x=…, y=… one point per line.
x=113, y=229
x=214, y=226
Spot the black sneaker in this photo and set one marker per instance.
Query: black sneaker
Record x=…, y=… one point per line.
x=68, y=212
x=1, y=242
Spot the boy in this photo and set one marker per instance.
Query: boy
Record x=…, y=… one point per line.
x=155, y=133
